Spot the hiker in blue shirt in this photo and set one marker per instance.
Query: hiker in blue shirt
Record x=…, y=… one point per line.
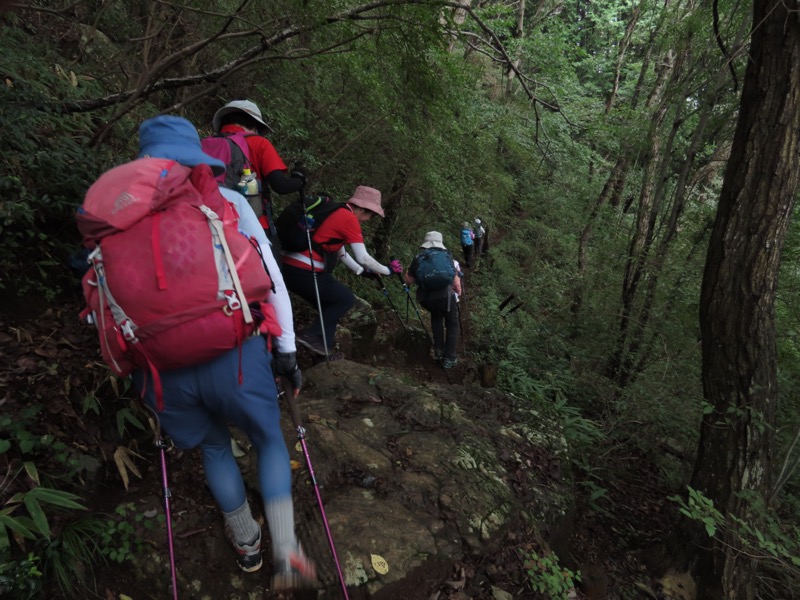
x=439, y=299
x=467, y=237
x=200, y=400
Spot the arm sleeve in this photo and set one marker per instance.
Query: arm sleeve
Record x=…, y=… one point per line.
x=249, y=226
x=366, y=261
x=281, y=183
x=348, y=261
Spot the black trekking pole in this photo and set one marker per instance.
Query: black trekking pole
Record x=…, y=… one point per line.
x=161, y=444
x=301, y=191
x=301, y=436
x=419, y=316
x=414, y=305
x=402, y=323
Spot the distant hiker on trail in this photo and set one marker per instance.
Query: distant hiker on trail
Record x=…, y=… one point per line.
x=241, y=122
x=195, y=401
x=438, y=287
x=467, y=237
x=480, y=235
x=311, y=277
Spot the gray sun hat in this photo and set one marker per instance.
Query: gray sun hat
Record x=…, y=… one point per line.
x=433, y=239
x=244, y=106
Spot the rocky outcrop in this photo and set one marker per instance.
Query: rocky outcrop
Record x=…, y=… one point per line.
x=409, y=473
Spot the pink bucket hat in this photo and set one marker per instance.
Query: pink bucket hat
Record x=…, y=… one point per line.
x=367, y=198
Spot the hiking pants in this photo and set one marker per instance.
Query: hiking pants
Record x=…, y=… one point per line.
x=335, y=297
x=467, y=255
x=478, y=246
x=444, y=316
x=200, y=401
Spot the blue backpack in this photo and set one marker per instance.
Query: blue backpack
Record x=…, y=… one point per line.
x=466, y=238
x=435, y=269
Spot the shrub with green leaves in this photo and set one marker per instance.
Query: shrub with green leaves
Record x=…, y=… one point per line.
x=547, y=577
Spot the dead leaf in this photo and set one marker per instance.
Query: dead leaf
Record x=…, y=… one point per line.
x=498, y=594
x=379, y=564
x=459, y=583
x=22, y=334
x=122, y=458
x=28, y=364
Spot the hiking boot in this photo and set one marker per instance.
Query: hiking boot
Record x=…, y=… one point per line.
x=311, y=342
x=449, y=363
x=438, y=355
x=298, y=571
x=248, y=557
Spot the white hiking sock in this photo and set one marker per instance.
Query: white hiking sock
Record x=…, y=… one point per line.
x=243, y=528
x=280, y=518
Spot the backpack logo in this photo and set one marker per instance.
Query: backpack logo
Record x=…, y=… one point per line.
x=299, y=220
x=123, y=201
x=435, y=269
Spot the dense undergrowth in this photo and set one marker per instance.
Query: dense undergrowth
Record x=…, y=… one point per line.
x=427, y=119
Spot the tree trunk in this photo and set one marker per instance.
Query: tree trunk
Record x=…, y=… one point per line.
x=737, y=307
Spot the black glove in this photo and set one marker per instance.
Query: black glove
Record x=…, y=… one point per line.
x=370, y=274
x=301, y=176
x=285, y=365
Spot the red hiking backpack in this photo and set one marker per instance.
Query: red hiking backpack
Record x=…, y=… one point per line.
x=173, y=280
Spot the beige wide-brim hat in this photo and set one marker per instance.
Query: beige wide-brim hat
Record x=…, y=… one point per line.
x=367, y=198
x=433, y=239
x=244, y=106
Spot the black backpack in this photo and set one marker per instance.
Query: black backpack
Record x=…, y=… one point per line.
x=294, y=227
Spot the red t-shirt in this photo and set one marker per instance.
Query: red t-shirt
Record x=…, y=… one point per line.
x=340, y=228
x=262, y=153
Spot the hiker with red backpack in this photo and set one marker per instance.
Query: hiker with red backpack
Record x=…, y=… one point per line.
x=239, y=141
x=182, y=297
x=308, y=273
x=436, y=274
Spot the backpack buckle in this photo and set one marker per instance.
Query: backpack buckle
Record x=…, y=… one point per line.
x=233, y=301
x=126, y=327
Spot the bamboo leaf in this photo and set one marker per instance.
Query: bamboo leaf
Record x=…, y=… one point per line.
x=122, y=458
x=56, y=498
x=16, y=524
x=30, y=469
x=37, y=514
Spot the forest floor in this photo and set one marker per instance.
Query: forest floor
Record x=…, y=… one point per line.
x=43, y=362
